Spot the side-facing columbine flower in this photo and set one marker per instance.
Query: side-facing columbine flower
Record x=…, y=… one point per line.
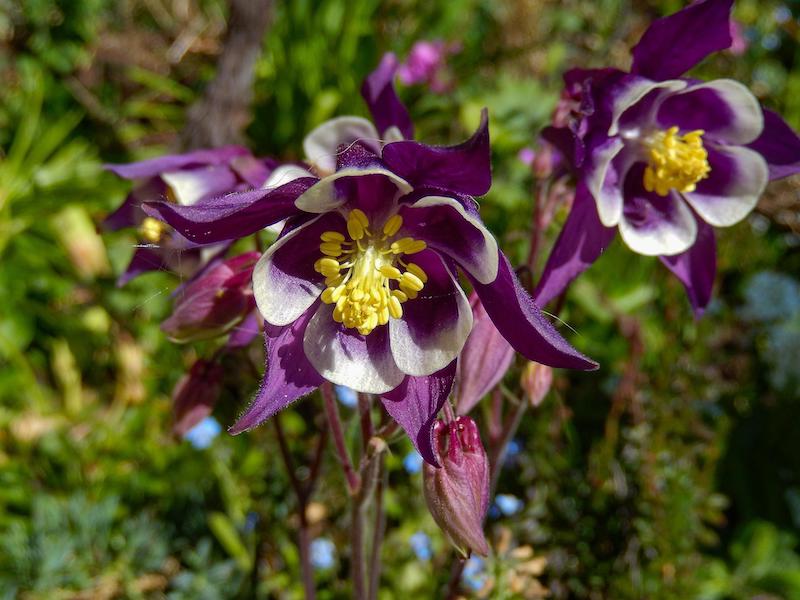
x=663, y=158
x=185, y=179
x=360, y=288
x=457, y=494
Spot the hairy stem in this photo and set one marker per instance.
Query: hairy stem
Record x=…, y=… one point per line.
x=335, y=424
x=378, y=531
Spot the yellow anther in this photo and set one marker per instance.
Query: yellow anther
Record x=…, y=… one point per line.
x=390, y=272
x=676, y=162
x=327, y=296
x=408, y=245
x=392, y=225
x=411, y=281
x=400, y=295
x=152, y=230
x=395, y=309
x=332, y=236
x=328, y=267
x=331, y=248
x=356, y=295
x=360, y=216
x=417, y=270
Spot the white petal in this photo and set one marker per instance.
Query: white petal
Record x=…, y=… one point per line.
x=322, y=144
x=420, y=356
x=608, y=197
x=322, y=197
x=728, y=206
x=663, y=237
x=635, y=91
x=284, y=174
x=373, y=373
x=280, y=299
x=191, y=185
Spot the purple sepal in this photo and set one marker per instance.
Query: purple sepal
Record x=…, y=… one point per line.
x=521, y=322
x=415, y=403
x=144, y=260
x=464, y=168
x=674, y=44
x=580, y=243
x=697, y=267
x=233, y=216
x=382, y=100
x=288, y=375
x=484, y=360
x=173, y=162
x=245, y=332
x=779, y=145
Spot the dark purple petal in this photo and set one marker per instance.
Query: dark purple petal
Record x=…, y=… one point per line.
x=580, y=243
x=566, y=142
x=288, y=374
x=174, y=162
x=696, y=268
x=674, y=44
x=232, y=216
x=415, y=403
x=521, y=322
x=144, y=260
x=779, y=145
x=465, y=168
x=381, y=98
x=129, y=213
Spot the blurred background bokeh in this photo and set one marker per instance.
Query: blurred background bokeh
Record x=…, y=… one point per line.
x=673, y=472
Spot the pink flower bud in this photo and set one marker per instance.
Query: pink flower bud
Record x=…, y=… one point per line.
x=457, y=493
x=484, y=360
x=536, y=381
x=215, y=302
x=195, y=395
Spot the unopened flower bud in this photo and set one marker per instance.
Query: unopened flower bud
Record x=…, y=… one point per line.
x=536, y=381
x=215, y=302
x=457, y=493
x=195, y=395
x=484, y=360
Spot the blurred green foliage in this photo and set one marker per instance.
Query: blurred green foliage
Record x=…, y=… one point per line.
x=674, y=472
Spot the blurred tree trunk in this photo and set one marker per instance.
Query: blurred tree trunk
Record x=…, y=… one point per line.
x=222, y=113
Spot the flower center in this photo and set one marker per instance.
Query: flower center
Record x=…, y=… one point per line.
x=676, y=161
x=152, y=230
x=364, y=275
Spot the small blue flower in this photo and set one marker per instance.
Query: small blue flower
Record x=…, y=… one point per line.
x=323, y=553
x=201, y=435
x=412, y=462
x=508, y=504
x=421, y=545
x=346, y=396
x=474, y=575
x=514, y=447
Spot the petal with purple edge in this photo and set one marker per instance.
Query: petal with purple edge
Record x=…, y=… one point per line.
x=156, y=166
x=287, y=377
x=521, y=322
x=434, y=325
x=737, y=179
x=604, y=181
x=674, y=44
x=724, y=110
x=285, y=283
x=630, y=91
x=344, y=357
x=696, y=268
x=580, y=243
x=446, y=226
x=653, y=225
x=381, y=98
x=779, y=145
x=233, y=216
x=322, y=144
x=415, y=403
x=192, y=185
x=465, y=168
x=324, y=195
x=284, y=174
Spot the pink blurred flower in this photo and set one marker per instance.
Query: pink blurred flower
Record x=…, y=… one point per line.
x=427, y=64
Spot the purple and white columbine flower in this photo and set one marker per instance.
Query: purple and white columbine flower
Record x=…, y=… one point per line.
x=361, y=287
x=185, y=179
x=664, y=158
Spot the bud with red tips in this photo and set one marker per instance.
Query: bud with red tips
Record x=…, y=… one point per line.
x=536, y=381
x=215, y=302
x=195, y=395
x=457, y=493
x=484, y=360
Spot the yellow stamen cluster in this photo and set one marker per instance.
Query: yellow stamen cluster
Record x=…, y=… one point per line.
x=677, y=162
x=363, y=274
x=152, y=230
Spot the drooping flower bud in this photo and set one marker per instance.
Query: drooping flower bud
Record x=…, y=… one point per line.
x=484, y=360
x=457, y=493
x=536, y=380
x=215, y=302
x=195, y=395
